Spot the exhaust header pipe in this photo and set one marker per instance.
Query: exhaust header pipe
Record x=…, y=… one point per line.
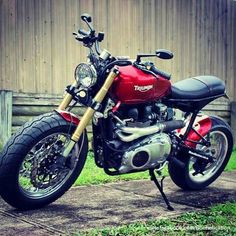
x=128, y=134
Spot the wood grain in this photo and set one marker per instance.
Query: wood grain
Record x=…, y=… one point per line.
x=5, y=115
x=39, y=53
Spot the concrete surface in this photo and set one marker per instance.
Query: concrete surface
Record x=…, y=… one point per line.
x=111, y=205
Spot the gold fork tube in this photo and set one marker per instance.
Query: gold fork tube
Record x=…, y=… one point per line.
x=67, y=99
x=90, y=111
x=65, y=102
x=83, y=123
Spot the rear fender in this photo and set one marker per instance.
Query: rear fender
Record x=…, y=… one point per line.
x=68, y=116
x=202, y=125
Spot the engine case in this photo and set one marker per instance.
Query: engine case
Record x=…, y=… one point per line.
x=150, y=152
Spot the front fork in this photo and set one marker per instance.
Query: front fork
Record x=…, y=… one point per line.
x=90, y=110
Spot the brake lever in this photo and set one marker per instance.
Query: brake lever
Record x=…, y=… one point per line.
x=79, y=38
x=83, y=32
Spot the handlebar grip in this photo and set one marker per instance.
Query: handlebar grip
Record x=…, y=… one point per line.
x=123, y=63
x=161, y=73
x=83, y=32
x=79, y=38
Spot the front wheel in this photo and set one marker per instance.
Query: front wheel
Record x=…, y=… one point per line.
x=33, y=173
x=186, y=177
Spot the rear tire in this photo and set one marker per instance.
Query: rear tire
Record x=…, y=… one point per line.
x=47, y=127
x=183, y=176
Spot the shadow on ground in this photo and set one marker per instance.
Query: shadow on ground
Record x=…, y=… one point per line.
x=112, y=204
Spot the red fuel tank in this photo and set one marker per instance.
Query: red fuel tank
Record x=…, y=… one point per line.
x=135, y=86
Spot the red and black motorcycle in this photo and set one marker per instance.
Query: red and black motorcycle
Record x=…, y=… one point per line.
x=132, y=107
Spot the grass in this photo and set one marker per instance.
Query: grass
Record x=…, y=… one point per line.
x=218, y=220
x=91, y=174
x=232, y=162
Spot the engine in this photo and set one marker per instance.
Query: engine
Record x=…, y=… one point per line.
x=150, y=152
x=138, y=137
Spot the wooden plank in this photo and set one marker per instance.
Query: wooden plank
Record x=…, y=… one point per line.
x=25, y=46
x=31, y=110
x=38, y=52
x=58, y=45
x=38, y=110
x=7, y=38
x=14, y=129
x=5, y=115
x=73, y=49
x=37, y=95
x=43, y=63
x=88, y=128
x=40, y=103
x=11, y=57
x=101, y=19
x=2, y=66
x=20, y=120
x=36, y=101
x=55, y=102
x=233, y=119
x=233, y=41
x=214, y=107
x=21, y=76
x=223, y=114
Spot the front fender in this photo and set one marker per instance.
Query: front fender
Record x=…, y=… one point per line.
x=202, y=125
x=68, y=116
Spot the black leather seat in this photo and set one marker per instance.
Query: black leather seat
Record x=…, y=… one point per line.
x=198, y=87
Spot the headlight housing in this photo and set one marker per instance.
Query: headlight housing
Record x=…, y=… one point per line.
x=86, y=75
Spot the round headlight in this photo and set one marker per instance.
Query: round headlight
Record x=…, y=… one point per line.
x=86, y=75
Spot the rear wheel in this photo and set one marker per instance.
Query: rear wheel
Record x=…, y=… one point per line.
x=187, y=176
x=33, y=173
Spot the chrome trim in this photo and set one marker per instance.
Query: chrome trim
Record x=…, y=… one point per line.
x=135, y=132
x=157, y=147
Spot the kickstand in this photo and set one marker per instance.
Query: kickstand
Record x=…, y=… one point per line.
x=160, y=188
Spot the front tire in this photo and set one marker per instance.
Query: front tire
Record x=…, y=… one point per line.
x=32, y=171
x=221, y=148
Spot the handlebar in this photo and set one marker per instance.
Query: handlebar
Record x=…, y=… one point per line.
x=89, y=37
x=90, y=40
x=97, y=48
x=83, y=32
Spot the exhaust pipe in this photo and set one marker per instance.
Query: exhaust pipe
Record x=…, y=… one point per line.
x=128, y=134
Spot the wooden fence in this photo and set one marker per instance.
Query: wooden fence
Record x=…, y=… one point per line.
x=39, y=53
x=16, y=109
x=5, y=115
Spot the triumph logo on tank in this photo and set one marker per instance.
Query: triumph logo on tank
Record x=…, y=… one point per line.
x=143, y=88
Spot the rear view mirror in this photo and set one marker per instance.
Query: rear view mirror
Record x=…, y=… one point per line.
x=164, y=54
x=86, y=17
